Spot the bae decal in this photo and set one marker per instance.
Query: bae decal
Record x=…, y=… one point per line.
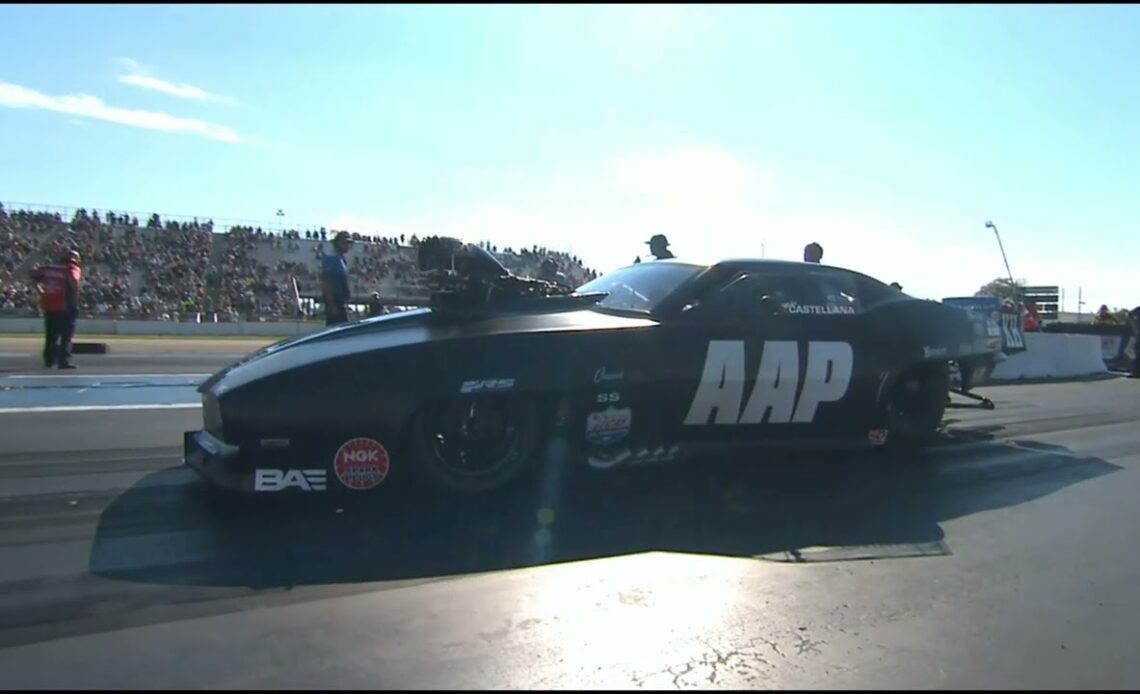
x=270, y=480
x=720, y=395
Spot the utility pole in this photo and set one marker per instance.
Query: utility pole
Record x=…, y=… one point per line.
x=990, y=225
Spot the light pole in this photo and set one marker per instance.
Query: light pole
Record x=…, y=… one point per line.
x=280, y=220
x=990, y=225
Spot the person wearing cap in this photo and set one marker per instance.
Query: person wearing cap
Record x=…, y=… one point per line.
x=59, y=299
x=813, y=253
x=659, y=247
x=549, y=272
x=375, y=306
x=334, y=280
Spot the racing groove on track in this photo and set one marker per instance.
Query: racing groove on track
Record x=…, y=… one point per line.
x=101, y=529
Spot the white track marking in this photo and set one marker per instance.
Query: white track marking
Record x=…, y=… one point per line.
x=100, y=408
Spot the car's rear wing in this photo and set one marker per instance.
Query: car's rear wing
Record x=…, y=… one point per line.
x=1000, y=316
x=1000, y=322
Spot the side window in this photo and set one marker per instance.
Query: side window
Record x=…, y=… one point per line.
x=833, y=292
x=755, y=295
x=872, y=292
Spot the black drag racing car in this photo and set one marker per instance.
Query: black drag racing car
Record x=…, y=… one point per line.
x=644, y=365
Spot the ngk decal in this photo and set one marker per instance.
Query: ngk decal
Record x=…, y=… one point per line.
x=269, y=480
x=361, y=464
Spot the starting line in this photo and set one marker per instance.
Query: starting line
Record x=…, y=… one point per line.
x=33, y=393
x=100, y=408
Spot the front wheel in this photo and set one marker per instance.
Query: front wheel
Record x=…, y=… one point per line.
x=916, y=404
x=476, y=444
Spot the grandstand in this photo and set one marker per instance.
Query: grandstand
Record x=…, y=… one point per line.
x=166, y=268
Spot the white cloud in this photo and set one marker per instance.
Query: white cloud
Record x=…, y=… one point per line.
x=85, y=106
x=612, y=112
x=137, y=77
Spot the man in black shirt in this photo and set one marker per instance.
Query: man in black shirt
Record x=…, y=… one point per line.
x=659, y=247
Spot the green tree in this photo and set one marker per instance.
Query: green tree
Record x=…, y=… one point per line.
x=1002, y=288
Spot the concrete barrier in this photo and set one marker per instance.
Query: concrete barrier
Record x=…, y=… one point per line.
x=98, y=326
x=1053, y=355
x=1047, y=355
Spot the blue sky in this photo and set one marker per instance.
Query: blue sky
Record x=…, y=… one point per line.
x=888, y=134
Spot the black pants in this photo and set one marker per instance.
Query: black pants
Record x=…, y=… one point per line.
x=59, y=328
x=335, y=315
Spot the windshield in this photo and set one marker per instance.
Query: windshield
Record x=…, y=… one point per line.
x=640, y=287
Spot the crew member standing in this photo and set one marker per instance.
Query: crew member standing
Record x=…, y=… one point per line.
x=334, y=280
x=375, y=307
x=813, y=253
x=1134, y=320
x=659, y=247
x=59, y=299
x=549, y=272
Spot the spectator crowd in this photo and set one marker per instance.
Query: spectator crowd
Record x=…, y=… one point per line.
x=179, y=270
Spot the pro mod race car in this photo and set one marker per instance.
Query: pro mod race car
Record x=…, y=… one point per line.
x=643, y=365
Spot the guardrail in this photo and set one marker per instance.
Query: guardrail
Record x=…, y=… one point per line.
x=98, y=326
x=1052, y=355
x=1047, y=354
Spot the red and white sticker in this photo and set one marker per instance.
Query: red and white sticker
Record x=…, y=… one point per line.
x=361, y=464
x=877, y=437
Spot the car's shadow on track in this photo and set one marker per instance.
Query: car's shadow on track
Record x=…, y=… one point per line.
x=774, y=506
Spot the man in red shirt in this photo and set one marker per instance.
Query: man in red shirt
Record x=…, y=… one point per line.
x=59, y=299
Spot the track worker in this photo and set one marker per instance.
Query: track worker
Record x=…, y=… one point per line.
x=1134, y=323
x=659, y=247
x=59, y=300
x=334, y=280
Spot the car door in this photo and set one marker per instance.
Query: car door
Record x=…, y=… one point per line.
x=768, y=354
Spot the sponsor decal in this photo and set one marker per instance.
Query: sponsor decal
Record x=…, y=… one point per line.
x=270, y=480
x=487, y=385
x=603, y=398
x=816, y=310
x=1011, y=327
x=274, y=443
x=642, y=456
x=361, y=464
x=605, y=462
x=720, y=394
x=877, y=437
x=603, y=376
x=931, y=352
x=609, y=426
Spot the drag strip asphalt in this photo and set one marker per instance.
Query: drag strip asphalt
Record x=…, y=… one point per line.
x=1002, y=557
